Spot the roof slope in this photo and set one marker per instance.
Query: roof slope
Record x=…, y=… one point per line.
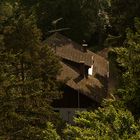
x=68, y=49
x=94, y=86
x=91, y=86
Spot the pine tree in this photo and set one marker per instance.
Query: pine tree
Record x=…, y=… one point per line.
x=103, y=124
x=86, y=19
x=28, y=82
x=122, y=15
x=128, y=58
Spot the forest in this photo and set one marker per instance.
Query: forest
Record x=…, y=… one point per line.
x=28, y=69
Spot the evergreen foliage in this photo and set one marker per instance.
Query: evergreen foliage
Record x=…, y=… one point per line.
x=28, y=83
x=84, y=18
x=128, y=57
x=122, y=14
x=104, y=124
x=28, y=69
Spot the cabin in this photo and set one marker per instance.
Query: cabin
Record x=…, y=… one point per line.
x=84, y=73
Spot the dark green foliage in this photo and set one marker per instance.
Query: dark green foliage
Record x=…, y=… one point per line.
x=28, y=70
x=122, y=14
x=104, y=124
x=86, y=19
x=124, y=34
x=129, y=62
x=28, y=83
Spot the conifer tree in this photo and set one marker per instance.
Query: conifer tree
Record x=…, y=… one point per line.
x=103, y=124
x=28, y=83
x=128, y=58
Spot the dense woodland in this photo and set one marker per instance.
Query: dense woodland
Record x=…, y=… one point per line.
x=28, y=69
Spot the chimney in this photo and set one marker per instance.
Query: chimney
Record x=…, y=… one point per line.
x=83, y=70
x=84, y=46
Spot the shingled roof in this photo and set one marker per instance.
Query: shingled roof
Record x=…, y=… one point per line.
x=68, y=49
x=94, y=86
x=91, y=86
